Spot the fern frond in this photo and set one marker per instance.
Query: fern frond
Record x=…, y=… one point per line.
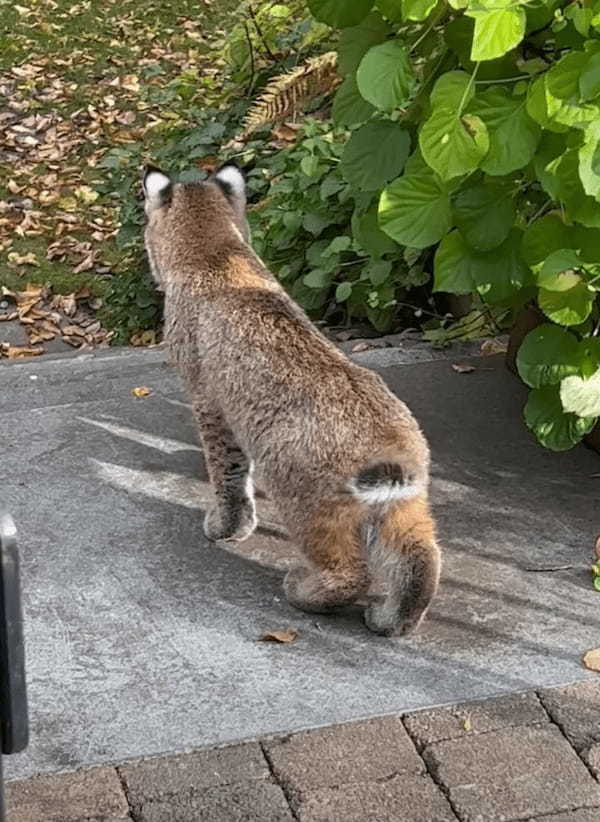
x=287, y=94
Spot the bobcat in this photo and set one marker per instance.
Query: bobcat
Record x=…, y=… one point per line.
x=342, y=458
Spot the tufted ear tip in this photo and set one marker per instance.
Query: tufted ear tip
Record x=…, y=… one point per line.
x=157, y=185
x=232, y=181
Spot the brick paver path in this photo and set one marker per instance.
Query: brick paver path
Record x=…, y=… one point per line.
x=532, y=756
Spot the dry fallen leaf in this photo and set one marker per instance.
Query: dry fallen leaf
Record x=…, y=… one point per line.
x=130, y=82
x=282, y=637
x=142, y=391
x=597, y=549
x=209, y=163
x=463, y=368
x=17, y=352
x=491, y=347
x=86, y=194
x=467, y=724
x=73, y=331
x=68, y=304
x=287, y=132
x=591, y=659
x=22, y=259
x=143, y=338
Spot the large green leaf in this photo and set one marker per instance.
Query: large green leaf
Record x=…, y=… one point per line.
x=366, y=231
x=452, y=89
x=416, y=164
x=496, y=32
x=453, y=144
x=484, y=214
x=375, y=154
x=587, y=241
x=356, y=41
x=578, y=205
x=545, y=235
x=551, y=147
x=581, y=397
x=554, y=428
x=537, y=105
x=589, y=79
x=562, y=91
x=451, y=266
x=417, y=9
x=385, y=77
x=559, y=271
x=392, y=9
x=340, y=13
x=589, y=160
x=497, y=275
x=570, y=307
x=513, y=134
x=548, y=354
x=501, y=273
x=458, y=35
x=590, y=356
x=349, y=106
x=415, y=210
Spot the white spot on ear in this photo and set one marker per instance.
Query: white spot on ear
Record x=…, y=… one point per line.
x=155, y=183
x=233, y=177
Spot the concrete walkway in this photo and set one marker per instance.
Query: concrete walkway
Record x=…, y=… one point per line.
x=141, y=636
x=531, y=756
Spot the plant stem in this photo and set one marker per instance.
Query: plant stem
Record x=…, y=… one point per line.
x=505, y=79
x=431, y=26
x=540, y=211
x=259, y=31
x=252, y=65
x=468, y=89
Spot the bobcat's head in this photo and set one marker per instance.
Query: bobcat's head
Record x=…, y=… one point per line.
x=190, y=222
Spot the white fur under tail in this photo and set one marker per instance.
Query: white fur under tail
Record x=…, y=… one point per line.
x=386, y=492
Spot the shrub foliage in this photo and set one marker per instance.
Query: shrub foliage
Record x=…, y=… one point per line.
x=475, y=130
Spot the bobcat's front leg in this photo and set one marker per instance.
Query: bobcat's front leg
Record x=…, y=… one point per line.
x=233, y=515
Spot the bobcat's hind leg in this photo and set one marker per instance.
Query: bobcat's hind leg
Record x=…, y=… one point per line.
x=233, y=514
x=337, y=574
x=404, y=563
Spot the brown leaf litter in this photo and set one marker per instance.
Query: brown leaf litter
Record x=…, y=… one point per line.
x=141, y=391
x=46, y=316
x=281, y=637
x=591, y=659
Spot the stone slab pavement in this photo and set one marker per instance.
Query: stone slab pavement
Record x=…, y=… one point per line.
x=142, y=637
x=522, y=756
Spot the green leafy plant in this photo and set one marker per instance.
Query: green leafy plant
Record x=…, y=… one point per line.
x=260, y=36
x=475, y=126
x=596, y=576
x=316, y=223
x=131, y=302
x=200, y=111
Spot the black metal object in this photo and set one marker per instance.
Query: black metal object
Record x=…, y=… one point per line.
x=14, y=725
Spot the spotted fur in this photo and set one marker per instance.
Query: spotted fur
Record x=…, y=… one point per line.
x=342, y=458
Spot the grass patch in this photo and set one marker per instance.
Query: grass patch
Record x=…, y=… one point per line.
x=78, y=81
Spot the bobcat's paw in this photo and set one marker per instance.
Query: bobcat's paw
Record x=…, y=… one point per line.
x=385, y=622
x=235, y=525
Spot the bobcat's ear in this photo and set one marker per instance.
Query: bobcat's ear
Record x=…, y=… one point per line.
x=157, y=187
x=231, y=181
